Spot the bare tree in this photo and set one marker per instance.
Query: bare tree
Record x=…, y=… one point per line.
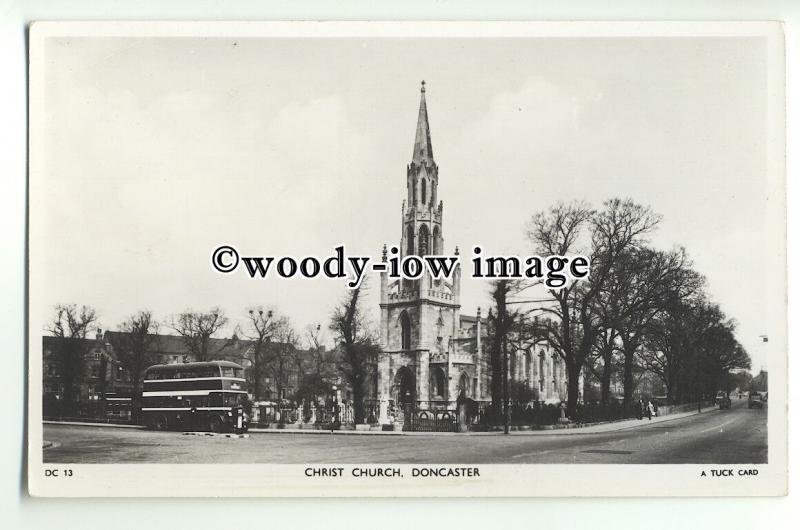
x=573, y=320
x=261, y=327
x=692, y=348
x=647, y=280
x=603, y=361
x=503, y=333
x=71, y=322
x=349, y=326
x=559, y=231
x=281, y=354
x=197, y=330
x=72, y=325
x=323, y=360
x=135, y=345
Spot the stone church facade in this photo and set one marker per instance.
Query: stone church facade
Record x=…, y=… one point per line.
x=430, y=352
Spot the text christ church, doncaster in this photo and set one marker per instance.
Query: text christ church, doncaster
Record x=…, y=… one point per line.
x=431, y=353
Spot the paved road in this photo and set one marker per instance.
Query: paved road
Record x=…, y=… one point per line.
x=736, y=436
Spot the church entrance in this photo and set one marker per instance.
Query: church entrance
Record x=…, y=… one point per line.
x=404, y=388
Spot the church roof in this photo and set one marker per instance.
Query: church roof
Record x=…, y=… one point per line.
x=423, y=150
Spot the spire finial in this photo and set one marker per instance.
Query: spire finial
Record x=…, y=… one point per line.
x=423, y=151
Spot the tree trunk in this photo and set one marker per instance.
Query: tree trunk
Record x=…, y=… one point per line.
x=605, y=384
x=358, y=403
x=573, y=390
x=506, y=413
x=628, y=348
x=257, y=378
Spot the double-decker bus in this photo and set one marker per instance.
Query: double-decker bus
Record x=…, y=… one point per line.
x=118, y=406
x=208, y=396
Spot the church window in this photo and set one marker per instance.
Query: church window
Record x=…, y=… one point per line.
x=439, y=388
x=410, y=240
x=541, y=371
x=424, y=191
x=437, y=249
x=527, y=366
x=405, y=327
x=423, y=240
x=463, y=385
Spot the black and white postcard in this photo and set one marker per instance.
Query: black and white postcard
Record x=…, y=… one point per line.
x=407, y=259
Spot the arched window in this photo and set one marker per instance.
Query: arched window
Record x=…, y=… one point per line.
x=541, y=371
x=436, y=245
x=438, y=383
x=424, y=239
x=463, y=385
x=405, y=331
x=424, y=191
x=527, y=367
x=410, y=240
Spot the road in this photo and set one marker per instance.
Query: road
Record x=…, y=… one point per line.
x=735, y=436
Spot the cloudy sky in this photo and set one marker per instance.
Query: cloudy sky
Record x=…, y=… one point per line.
x=158, y=150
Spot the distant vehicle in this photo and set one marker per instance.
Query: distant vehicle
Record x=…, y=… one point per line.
x=118, y=406
x=721, y=395
x=755, y=400
x=724, y=402
x=209, y=396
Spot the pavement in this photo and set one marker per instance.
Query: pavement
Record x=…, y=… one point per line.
x=546, y=431
x=571, y=429
x=738, y=435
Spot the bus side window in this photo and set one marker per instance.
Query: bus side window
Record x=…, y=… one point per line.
x=215, y=399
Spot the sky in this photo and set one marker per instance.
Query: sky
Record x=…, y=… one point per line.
x=158, y=150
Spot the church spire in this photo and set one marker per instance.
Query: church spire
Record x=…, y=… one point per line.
x=423, y=151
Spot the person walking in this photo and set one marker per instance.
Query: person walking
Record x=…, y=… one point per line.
x=639, y=409
x=649, y=410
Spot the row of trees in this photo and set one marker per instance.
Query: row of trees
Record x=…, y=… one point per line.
x=641, y=310
x=267, y=343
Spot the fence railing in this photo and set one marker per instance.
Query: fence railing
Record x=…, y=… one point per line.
x=430, y=420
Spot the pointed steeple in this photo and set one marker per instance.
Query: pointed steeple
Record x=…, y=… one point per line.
x=423, y=151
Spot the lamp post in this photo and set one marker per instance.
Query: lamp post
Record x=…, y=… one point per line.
x=335, y=404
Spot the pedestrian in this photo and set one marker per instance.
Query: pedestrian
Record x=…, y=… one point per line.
x=655, y=408
x=649, y=410
x=639, y=407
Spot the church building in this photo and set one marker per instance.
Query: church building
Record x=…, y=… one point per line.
x=431, y=353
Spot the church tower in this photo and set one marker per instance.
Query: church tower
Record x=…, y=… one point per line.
x=420, y=319
x=422, y=215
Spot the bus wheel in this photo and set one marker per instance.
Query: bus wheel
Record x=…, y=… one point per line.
x=160, y=423
x=215, y=424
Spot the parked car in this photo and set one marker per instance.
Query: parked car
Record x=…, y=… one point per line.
x=724, y=402
x=755, y=400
